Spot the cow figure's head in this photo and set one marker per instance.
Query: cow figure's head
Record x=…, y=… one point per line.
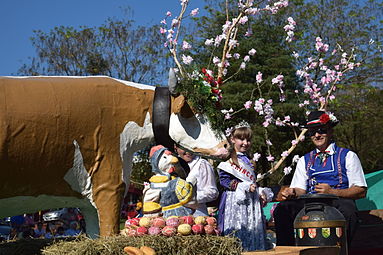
x=192, y=131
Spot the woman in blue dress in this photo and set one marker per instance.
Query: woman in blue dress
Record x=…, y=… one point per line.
x=240, y=209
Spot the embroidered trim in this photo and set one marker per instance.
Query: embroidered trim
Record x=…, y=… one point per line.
x=339, y=168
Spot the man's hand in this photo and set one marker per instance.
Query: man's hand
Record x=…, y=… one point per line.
x=288, y=193
x=323, y=188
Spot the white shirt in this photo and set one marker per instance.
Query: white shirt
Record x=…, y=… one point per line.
x=202, y=171
x=354, y=171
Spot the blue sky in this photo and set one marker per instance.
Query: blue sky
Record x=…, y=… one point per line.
x=19, y=18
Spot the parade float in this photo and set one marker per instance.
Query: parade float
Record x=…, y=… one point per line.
x=155, y=233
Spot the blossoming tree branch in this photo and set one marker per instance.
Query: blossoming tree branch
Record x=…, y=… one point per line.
x=318, y=78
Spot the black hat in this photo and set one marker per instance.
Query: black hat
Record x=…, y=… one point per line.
x=320, y=118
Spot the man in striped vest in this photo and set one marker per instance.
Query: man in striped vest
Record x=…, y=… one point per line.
x=328, y=169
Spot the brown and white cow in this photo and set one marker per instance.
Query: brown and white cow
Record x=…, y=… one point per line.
x=69, y=142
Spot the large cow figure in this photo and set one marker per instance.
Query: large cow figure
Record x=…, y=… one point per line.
x=69, y=142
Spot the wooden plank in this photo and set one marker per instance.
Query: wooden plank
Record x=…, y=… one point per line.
x=298, y=250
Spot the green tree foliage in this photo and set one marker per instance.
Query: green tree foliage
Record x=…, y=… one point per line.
x=118, y=49
x=359, y=108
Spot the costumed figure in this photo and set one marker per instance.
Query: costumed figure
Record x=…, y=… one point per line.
x=240, y=209
x=167, y=193
x=328, y=169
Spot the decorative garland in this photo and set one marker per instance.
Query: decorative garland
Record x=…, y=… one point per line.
x=203, y=94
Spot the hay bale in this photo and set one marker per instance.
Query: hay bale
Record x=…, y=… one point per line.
x=24, y=246
x=180, y=245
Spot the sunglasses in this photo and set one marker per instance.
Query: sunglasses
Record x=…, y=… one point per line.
x=313, y=131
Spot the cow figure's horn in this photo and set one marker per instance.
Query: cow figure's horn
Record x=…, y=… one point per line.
x=172, y=82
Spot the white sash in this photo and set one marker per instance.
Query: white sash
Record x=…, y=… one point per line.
x=244, y=172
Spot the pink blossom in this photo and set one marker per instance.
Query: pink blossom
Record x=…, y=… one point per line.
x=287, y=118
x=186, y=45
x=252, y=52
x=187, y=59
x=236, y=55
x=216, y=60
x=265, y=124
x=291, y=21
x=332, y=97
x=168, y=14
x=248, y=104
x=287, y=170
x=233, y=43
x=162, y=30
x=243, y=20
x=258, y=77
x=175, y=22
x=243, y=65
x=227, y=116
x=294, y=142
x=209, y=42
x=285, y=154
x=163, y=22
x=246, y=58
x=270, y=158
x=194, y=12
x=256, y=156
x=268, y=142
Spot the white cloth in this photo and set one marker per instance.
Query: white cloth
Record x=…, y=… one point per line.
x=202, y=174
x=354, y=171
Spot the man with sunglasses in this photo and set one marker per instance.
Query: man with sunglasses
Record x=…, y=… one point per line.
x=328, y=169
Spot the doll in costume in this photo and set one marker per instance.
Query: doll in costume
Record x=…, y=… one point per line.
x=168, y=193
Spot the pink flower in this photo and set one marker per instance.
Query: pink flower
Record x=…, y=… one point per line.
x=168, y=14
x=243, y=65
x=194, y=12
x=186, y=45
x=287, y=170
x=294, y=142
x=291, y=21
x=284, y=154
x=246, y=58
x=256, y=156
x=187, y=59
x=270, y=158
x=216, y=60
x=162, y=30
x=227, y=116
x=259, y=77
x=236, y=55
x=252, y=52
x=268, y=142
x=248, y=104
x=174, y=22
x=209, y=42
x=243, y=20
x=163, y=22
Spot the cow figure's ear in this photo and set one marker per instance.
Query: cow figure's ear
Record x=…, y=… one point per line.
x=172, y=82
x=180, y=105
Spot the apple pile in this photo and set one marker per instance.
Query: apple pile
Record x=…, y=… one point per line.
x=174, y=225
